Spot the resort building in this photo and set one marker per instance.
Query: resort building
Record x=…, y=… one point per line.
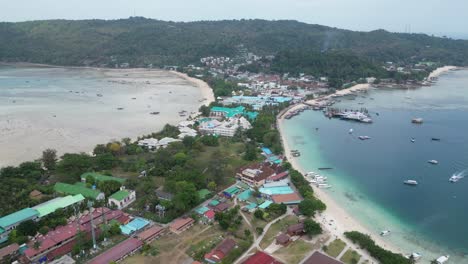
x=122, y=198
x=257, y=102
x=288, y=199
x=119, y=252
x=78, y=188
x=255, y=175
x=100, y=177
x=150, y=143
x=11, y=221
x=278, y=177
x=226, y=128
x=226, y=112
x=319, y=258
x=261, y=258
x=180, y=225
x=217, y=254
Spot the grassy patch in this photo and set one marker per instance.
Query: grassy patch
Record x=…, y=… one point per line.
x=335, y=247
x=276, y=228
x=295, y=252
x=351, y=257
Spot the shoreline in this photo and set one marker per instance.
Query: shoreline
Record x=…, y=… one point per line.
x=441, y=70
x=343, y=221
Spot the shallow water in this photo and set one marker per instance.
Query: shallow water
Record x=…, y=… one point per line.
x=367, y=176
x=60, y=108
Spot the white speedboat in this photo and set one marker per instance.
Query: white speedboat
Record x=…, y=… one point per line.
x=323, y=185
x=350, y=131
x=435, y=162
x=364, y=137
x=442, y=259
x=414, y=256
x=413, y=140
x=410, y=182
x=385, y=233
x=455, y=178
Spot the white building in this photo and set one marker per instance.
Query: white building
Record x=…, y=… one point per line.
x=122, y=198
x=150, y=143
x=224, y=128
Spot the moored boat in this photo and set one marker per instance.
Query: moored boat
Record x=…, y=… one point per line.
x=435, y=162
x=385, y=233
x=410, y=182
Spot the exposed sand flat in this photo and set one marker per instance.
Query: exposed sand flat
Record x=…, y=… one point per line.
x=437, y=72
x=207, y=92
x=76, y=108
x=335, y=219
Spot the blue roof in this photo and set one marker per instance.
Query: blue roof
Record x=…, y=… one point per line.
x=18, y=217
x=276, y=190
x=202, y=210
x=245, y=195
x=135, y=225
x=251, y=206
x=267, y=151
x=265, y=204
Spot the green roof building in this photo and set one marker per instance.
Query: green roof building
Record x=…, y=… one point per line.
x=10, y=221
x=78, y=188
x=203, y=193
x=57, y=203
x=122, y=198
x=100, y=177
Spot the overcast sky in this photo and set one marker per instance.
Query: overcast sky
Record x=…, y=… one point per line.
x=440, y=17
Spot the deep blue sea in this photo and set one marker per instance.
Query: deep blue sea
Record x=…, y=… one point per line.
x=367, y=176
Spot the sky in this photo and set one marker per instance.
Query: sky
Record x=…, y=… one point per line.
x=438, y=17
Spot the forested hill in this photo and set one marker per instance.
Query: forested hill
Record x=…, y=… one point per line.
x=141, y=41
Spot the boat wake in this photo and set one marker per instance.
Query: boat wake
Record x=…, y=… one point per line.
x=458, y=175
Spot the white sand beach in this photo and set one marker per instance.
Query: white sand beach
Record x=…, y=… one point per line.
x=437, y=72
x=207, y=92
x=335, y=219
x=73, y=109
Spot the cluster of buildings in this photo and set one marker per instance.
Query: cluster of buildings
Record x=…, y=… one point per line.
x=119, y=199
x=225, y=121
x=36, y=213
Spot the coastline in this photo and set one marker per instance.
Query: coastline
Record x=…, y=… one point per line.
x=341, y=219
x=441, y=70
x=74, y=123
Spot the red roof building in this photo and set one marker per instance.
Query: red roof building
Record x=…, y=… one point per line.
x=255, y=174
x=181, y=224
x=278, y=176
x=296, y=230
x=150, y=234
x=291, y=198
x=261, y=258
x=9, y=250
x=118, y=252
x=218, y=253
x=319, y=258
x=210, y=215
x=221, y=207
x=283, y=239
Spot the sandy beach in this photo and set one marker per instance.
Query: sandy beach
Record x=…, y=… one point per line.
x=437, y=72
x=73, y=109
x=205, y=89
x=335, y=219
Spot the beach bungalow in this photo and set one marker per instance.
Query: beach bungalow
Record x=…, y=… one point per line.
x=181, y=224
x=283, y=240
x=222, y=250
x=166, y=141
x=122, y=198
x=296, y=230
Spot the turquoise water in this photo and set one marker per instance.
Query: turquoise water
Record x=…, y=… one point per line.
x=367, y=176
